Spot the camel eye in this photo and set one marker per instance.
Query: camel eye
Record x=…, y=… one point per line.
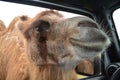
x=42, y=26
x=37, y=29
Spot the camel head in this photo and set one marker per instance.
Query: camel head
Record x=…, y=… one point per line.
x=54, y=40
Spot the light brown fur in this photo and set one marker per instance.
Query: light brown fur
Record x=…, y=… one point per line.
x=2, y=26
x=51, y=48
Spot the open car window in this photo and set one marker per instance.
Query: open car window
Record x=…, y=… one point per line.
x=11, y=10
x=89, y=28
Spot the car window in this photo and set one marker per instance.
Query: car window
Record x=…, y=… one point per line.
x=9, y=11
x=116, y=18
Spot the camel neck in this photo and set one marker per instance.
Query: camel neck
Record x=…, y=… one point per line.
x=51, y=72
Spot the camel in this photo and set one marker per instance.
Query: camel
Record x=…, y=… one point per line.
x=54, y=46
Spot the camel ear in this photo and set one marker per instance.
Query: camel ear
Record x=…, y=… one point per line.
x=22, y=26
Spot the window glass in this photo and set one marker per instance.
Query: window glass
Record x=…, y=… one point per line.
x=8, y=11
x=116, y=18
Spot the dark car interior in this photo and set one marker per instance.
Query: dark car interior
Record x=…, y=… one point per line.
x=108, y=67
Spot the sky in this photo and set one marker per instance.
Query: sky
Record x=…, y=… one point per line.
x=10, y=10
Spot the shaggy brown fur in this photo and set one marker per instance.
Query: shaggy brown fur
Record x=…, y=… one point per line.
x=11, y=42
x=2, y=25
x=54, y=47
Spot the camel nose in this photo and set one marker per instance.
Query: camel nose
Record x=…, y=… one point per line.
x=89, y=35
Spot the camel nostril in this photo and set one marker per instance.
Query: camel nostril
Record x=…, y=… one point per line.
x=87, y=24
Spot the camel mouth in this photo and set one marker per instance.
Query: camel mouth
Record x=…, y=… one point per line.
x=91, y=46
